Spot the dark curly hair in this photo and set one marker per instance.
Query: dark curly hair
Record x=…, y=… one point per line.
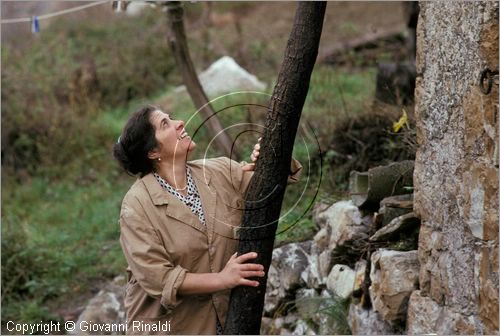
x=136, y=141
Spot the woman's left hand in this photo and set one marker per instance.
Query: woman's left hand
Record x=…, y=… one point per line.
x=254, y=156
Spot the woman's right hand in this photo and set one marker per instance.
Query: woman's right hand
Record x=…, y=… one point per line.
x=236, y=271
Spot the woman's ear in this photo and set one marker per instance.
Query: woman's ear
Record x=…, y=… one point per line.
x=153, y=155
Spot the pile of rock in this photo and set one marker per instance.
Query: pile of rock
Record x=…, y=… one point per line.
x=356, y=275
x=360, y=268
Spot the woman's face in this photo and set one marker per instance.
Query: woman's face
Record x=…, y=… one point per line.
x=171, y=136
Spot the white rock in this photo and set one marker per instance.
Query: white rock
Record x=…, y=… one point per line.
x=343, y=222
x=285, y=274
x=226, y=76
x=135, y=8
x=341, y=281
x=106, y=307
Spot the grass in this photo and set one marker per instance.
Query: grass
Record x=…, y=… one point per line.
x=70, y=236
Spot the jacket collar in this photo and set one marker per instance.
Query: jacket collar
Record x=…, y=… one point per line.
x=160, y=197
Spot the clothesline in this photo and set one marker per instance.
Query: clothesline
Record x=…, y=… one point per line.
x=46, y=16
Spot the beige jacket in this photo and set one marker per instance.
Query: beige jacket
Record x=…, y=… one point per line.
x=162, y=240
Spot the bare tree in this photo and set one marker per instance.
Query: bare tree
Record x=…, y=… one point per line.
x=179, y=46
x=265, y=194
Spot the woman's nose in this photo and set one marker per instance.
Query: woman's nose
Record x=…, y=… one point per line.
x=180, y=124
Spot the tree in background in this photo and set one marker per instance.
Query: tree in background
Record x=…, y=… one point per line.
x=179, y=46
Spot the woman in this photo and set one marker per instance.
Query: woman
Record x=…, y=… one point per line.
x=178, y=228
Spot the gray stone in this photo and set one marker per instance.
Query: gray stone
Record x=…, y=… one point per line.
x=311, y=275
x=322, y=239
x=302, y=328
x=401, y=224
x=291, y=260
x=344, y=233
x=105, y=308
x=285, y=332
x=394, y=276
x=282, y=325
x=399, y=201
x=285, y=274
x=274, y=294
x=423, y=313
x=367, y=322
x=322, y=311
x=317, y=210
x=453, y=323
x=324, y=263
x=395, y=206
x=345, y=222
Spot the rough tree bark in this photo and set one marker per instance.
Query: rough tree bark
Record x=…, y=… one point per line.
x=179, y=46
x=265, y=194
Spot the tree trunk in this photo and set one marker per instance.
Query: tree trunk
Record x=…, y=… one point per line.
x=178, y=45
x=266, y=190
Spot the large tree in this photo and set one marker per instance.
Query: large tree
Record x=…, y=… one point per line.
x=265, y=194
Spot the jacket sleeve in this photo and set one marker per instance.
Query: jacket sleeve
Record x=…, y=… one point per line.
x=241, y=179
x=146, y=256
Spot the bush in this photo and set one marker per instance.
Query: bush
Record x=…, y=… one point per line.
x=365, y=141
x=22, y=268
x=52, y=90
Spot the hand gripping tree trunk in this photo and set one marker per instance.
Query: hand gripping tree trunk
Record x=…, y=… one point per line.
x=266, y=190
x=178, y=45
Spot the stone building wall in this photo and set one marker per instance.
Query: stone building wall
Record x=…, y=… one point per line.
x=456, y=170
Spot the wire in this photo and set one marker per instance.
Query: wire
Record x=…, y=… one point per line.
x=46, y=16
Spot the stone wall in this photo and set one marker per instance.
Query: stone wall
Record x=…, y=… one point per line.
x=456, y=170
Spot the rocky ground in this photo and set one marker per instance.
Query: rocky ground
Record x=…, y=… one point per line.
x=355, y=276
